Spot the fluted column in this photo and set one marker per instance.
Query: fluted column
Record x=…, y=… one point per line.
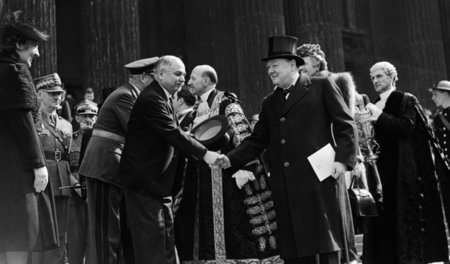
x=318, y=21
x=444, y=14
x=41, y=14
x=211, y=39
x=422, y=47
x=255, y=22
x=110, y=35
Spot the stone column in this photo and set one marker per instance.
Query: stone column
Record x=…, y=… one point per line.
x=255, y=21
x=422, y=50
x=318, y=21
x=110, y=36
x=41, y=14
x=444, y=14
x=210, y=39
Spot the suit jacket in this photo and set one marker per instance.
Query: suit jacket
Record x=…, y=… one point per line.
x=307, y=210
x=100, y=160
x=148, y=161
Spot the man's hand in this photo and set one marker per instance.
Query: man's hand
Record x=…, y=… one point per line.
x=211, y=157
x=338, y=169
x=242, y=177
x=375, y=111
x=40, y=179
x=223, y=162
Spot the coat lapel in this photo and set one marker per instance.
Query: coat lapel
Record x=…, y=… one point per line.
x=300, y=89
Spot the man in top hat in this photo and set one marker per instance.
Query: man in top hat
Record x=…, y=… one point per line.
x=149, y=162
x=100, y=166
x=85, y=116
x=294, y=123
x=409, y=227
x=441, y=123
x=219, y=204
x=56, y=139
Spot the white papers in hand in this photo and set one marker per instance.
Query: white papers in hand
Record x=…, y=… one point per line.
x=322, y=161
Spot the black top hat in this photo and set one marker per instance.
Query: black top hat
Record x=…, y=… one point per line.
x=283, y=47
x=212, y=132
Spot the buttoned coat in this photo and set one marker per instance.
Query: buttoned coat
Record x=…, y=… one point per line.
x=308, y=214
x=149, y=158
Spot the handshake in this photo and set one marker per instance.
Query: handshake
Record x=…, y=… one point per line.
x=217, y=160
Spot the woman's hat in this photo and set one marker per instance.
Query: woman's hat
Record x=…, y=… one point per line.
x=212, y=133
x=283, y=47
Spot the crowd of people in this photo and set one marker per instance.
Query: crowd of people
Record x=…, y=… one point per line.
x=170, y=170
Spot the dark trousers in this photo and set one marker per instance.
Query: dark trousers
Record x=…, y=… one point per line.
x=324, y=258
x=151, y=223
x=59, y=254
x=108, y=238
x=77, y=232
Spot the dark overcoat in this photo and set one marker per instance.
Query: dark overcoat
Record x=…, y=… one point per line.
x=27, y=218
x=148, y=163
x=308, y=214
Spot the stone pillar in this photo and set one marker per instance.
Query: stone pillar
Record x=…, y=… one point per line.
x=444, y=14
x=110, y=35
x=210, y=39
x=255, y=21
x=422, y=50
x=318, y=21
x=41, y=14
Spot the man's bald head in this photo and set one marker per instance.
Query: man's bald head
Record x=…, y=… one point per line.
x=208, y=71
x=203, y=78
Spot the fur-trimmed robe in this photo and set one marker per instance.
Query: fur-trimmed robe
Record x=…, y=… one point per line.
x=410, y=227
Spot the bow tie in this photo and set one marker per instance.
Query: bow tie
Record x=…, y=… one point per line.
x=286, y=91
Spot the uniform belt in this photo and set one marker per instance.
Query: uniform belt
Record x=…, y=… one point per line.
x=56, y=155
x=109, y=135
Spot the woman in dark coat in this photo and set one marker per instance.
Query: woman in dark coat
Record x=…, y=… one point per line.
x=27, y=221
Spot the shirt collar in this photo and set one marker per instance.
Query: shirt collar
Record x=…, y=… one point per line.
x=185, y=111
x=384, y=95
x=204, y=97
x=168, y=95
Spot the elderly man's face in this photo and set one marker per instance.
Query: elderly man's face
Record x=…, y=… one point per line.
x=172, y=76
x=281, y=72
x=197, y=85
x=86, y=121
x=311, y=66
x=381, y=81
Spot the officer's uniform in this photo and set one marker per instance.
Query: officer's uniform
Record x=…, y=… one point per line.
x=56, y=139
x=77, y=233
x=441, y=124
x=107, y=232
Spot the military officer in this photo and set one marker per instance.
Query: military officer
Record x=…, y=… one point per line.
x=56, y=137
x=85, y=116
x=441, y=98
x=100, y=166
